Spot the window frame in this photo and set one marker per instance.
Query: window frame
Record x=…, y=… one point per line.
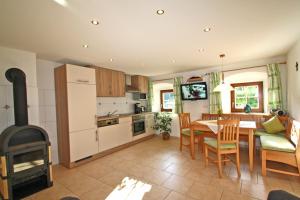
x=161, y=100
x=260, y=96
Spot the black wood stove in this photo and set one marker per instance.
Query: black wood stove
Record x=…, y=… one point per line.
x=25, y=151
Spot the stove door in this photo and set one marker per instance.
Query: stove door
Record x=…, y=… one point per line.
x=138, y=127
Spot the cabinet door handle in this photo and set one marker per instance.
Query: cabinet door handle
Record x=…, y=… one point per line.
x=97, y=137
x=82, y=81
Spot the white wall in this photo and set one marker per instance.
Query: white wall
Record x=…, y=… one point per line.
x=47, y=110
x=294, y=81
x=121, y=104
x=25, y=61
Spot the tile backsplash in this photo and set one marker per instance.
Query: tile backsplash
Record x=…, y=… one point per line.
x=122, y=104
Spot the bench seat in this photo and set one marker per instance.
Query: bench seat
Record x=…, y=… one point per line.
x=277, y=143
x=262, y=132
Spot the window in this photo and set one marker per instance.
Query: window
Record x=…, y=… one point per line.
x=247, y=93
x=167, y=101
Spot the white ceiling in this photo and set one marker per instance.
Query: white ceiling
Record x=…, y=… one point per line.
x=141, y=42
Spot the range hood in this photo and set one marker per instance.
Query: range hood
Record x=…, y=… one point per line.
x=130, y=88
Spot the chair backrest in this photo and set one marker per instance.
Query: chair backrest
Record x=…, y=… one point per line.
x=208, y=116
x=229, y=133
x=184, y=120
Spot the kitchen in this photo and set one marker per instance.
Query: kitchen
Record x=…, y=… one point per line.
x=84, y=133
x=125, y=99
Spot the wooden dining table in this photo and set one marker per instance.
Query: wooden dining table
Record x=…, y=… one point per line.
x=246, y=129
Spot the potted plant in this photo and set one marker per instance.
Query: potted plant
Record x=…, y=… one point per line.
x=163, y=124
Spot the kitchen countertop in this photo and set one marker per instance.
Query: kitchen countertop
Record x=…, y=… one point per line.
x=121, y=115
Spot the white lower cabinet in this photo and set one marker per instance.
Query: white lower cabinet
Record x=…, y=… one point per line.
x=149, y=124
x=83, y=144
x=108, y=137
x=115, y=135
x=125, y=130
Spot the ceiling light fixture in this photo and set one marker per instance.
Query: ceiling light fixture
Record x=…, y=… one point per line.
x=85, y=46
x=201, y=50
x=173, y=61
x=95, y=22
x=111, y=60
x=223, y=86
x=207, y=29
x=160, y=12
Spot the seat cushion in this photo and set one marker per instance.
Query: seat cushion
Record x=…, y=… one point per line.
x=213, y=143
x=261, y=132
x=276, y=143
x=273, y=125
x=187, y=132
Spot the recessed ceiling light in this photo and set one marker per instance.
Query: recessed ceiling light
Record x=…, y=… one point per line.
x=201, y=50
x=160, y=12
x=111, y=60
x=95, y=22
x=207, y=29
x=85, y=46
x=173, y=61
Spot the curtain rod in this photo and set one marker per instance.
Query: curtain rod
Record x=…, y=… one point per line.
x=230, y=70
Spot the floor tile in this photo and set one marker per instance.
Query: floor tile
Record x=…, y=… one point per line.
x=156, y=169
x=233, y=196
x=156, y=176
x=204, y=192
x=178, y=184
x=177, y=196
x=98, y=193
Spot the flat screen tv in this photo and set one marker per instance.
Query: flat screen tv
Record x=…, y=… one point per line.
x=194, y=91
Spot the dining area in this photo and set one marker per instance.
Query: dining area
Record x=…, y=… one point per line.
x=220, y=136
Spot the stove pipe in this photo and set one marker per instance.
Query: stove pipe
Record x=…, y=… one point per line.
x=18, y=79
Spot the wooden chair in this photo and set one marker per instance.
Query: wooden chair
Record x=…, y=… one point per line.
x=185, y=130
x=227, y=142
x=282, y=149
x=208, y=116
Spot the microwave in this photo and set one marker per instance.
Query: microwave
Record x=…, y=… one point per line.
x=139, y=96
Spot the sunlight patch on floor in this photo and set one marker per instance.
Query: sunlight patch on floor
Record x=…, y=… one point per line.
x=130, y=189
x=63, y=3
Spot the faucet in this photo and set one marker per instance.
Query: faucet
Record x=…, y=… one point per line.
x=110, y=114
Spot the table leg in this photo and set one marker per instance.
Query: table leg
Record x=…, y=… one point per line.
x=250, y=144
x=192, y=144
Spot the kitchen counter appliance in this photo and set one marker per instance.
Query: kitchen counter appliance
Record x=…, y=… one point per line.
x=107, y=122
x=139, y=96
x=138, y=124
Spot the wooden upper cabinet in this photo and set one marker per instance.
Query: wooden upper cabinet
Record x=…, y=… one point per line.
x=110, y=83
x=118, y=83
x=140, y=82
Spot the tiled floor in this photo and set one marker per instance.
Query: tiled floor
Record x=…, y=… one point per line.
x=156, y=169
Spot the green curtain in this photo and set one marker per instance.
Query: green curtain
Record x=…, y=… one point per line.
x=177, y=95
x=215, y=102
x=150, y=96
x=275, y=88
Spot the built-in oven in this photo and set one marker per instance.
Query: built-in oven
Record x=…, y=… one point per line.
x=138, y=124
